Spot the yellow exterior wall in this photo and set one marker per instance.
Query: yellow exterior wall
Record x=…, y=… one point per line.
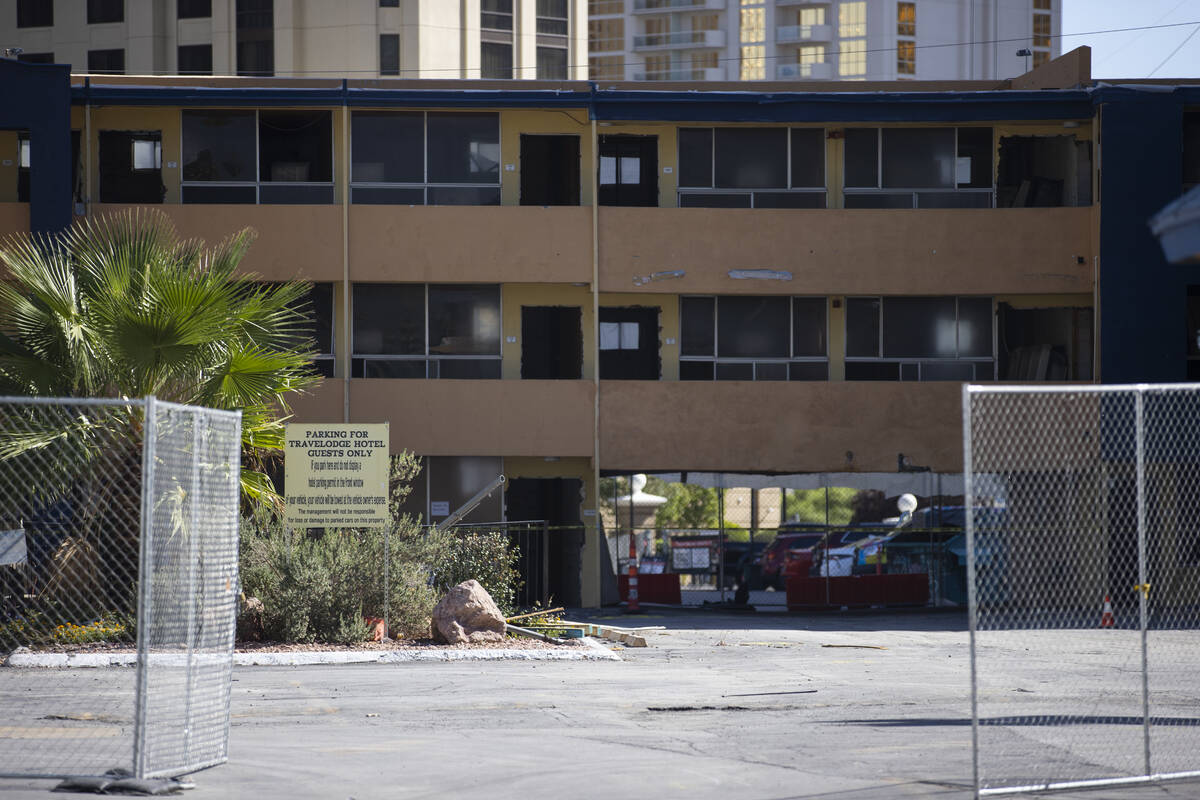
x=567, y=121
x=513, y=296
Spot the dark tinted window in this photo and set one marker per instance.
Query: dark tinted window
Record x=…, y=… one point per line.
x=752, y=327
x=255, y=37
x=552, y=63
x=295, y=146
x=696, y=326
x=218, y=146
x=389, y=319
x=975, y=144
x=918, y=158
x=496, y=15
x=464, y=148
x=808, y=327
x=750, y=158
x=388, y=147
x=695, y=157
x=862, y=327
x=101, y=11
x=191, y=9
x=321, y=309
x=107, y=62
x=919, y=327
x=496, y=60
x=552, y=17
x=464, y=319
x=862, y=157
x=389, y=54
x=35, y=13
x=808, y=158
x=975, y=327
x=195, y=59
x=36, y=58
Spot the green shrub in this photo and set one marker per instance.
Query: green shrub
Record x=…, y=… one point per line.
x=486, y=556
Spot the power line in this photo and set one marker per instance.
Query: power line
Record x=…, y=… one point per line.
x=1173, y=52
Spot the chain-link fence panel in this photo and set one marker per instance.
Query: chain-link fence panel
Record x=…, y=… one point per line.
x=1083, y=509
x=90, y=501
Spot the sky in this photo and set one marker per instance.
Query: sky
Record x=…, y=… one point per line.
x=1135, y=53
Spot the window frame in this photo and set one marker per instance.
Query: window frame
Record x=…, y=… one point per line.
x=717, y=360
x=425, y=185
x=915, y=192
x=430, y=361
x=257, y=181
x=920, y=362
x=712, y=189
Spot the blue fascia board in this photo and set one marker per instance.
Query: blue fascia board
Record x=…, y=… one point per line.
x=619, y=105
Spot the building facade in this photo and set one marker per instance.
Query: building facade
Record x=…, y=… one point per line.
x=851, y=40
x=503, y=39
x=559, y=286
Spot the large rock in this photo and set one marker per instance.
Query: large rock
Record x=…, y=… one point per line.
x=467, y=614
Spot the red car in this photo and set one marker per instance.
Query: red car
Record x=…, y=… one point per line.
x=791, y=541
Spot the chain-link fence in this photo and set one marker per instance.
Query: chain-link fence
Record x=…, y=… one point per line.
x=118, y=538
x=1084, y=565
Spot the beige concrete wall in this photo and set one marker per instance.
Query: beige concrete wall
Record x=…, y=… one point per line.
x=490, y=244
x=14, y=218
x=850, y=251
x=480, y=417
x=293, y=241
x=779, y=427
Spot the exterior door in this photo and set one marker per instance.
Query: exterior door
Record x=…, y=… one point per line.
x=629, y=344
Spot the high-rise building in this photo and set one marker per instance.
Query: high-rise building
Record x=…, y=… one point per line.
x=875, y=40
x=542, y=39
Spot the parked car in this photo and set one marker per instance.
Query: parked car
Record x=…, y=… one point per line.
x=801, y=537
x=742, y=559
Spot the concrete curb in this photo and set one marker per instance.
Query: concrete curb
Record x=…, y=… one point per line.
x=593, y=651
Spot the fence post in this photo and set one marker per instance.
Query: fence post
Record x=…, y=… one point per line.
x=972, y=592
x=1140, y=433
x=387, y=585
x=145, y=556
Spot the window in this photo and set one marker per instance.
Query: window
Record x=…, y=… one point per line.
x=606, y=35
x=320, y=307
x=36, y=58
x=23, y=161
x=596, y=7
x=257, y=157
x=107, y=62
x=389, y=3
x=918, y=167
x=1041, y=30
x=496, y=60
x=193, y=9
x=906, y=19
x=906, y=58
x=35, y=13
x=1040, y=57
x=852, y=19
x=811, y=16
x=753, y=338
x=552, y=17
x=919, y=338
x=606, y=68
x=255, y=37
x=1193, y=333
x=1041, y=5
x=419, y=158
x=414, y=330
x=146, y=154
x=1191, y=149
x=749, y=167
x=389, y=54
x=496, y=15
x=552, y=63
x=852, y=58
x=195, y=59
x=753, y=63
x=102, y=11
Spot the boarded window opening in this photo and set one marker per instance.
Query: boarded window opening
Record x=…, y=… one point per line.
x=1044, y=171
x=551, y=342
x=131, y=167
x=629, y=344
x=549, y=170
x=1045, y=344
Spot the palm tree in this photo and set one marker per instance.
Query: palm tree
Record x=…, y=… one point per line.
x=119, y=306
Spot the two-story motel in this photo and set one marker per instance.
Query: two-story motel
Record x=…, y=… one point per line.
x=556, y=281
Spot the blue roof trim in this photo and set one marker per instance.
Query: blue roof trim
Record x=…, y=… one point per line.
x=682, y=106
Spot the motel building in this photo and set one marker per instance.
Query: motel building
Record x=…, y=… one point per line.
x=563, y=281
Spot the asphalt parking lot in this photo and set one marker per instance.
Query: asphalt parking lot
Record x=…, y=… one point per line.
x=755, y=706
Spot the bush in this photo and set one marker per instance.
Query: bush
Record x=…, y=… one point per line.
x=488, y=557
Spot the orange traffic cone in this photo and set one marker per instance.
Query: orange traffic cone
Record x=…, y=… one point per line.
x=1107, y=620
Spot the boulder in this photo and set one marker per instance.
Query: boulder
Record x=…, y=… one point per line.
x=467, y=614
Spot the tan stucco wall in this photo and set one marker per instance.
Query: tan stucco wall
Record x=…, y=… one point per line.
x=514, y=296
x=779, y=427
x=480, y=417
x=14, y=217
x=9, y=165
x=567, y=121
x=448, y=244
x=855, y=251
